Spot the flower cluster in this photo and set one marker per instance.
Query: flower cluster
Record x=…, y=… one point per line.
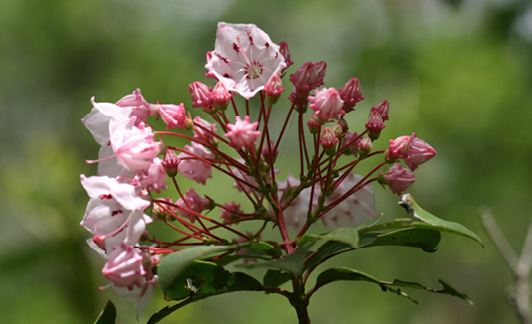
x=135, y=161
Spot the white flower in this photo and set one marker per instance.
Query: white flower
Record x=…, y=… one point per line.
x=244, y=58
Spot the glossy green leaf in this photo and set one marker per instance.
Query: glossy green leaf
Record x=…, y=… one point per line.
x=173, y=264
x=293, y=263
x=107, y=315
x=433, y=222
x=425, y=239
x=345, y=274
x=202, y=279
x=275, y=278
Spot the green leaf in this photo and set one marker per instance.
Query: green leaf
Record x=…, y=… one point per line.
x=173, y=264
x=202, y=279
x=107, y=315
x=293, y=263
x=275, y=278
x=326, y=251
x=343, y=274
x=425, y=239
x=434, y=222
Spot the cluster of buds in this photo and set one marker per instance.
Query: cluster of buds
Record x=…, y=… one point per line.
x=136, y=161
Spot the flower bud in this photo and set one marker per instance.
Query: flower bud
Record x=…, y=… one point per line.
x=170, y=163
x=374, y=125
x=313, y=124
x=382, y=108
x=221, y=96
x=326, y=104
x=273, y=88
x=397, y=178
x=201, y=95
x=419, y=152
x=308, y=77
x=328, y=140
x=174, y=116
x=365, y=146
x=350, y=143
x=285, y=52
x=398, y=148
x=351, y=94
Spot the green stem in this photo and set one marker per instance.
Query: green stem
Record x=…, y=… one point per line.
x=299, y=300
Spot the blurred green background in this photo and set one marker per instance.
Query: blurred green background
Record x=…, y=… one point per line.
x=459, y=73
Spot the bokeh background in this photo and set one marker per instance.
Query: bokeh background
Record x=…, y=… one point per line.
x=457, y=72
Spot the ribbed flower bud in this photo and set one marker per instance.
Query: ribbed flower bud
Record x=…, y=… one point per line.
x=273, y=88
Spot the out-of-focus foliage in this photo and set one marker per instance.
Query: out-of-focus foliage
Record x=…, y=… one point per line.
x=459, y=72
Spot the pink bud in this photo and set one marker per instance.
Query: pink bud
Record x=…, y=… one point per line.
x=397, y=178
x=351, y=94
x=174, y=116
x=420, y=152
x=170, y=163
x=328, y=140
x=221, y=96
x=374, y=125
x=398, y=148
x=313, y=124
x=382, y=108
x=350, y=143
x=267, y=153
x=192, y=204
x=201, y=95
x=365, y=146
x=327, y=104
x=273, y=88
x=307, y=77
x=124, y=267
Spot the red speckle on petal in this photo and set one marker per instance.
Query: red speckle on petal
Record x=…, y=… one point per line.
x=267, y=45
x=226, y=75
x=224, y=59
x=248, y=32
x=105, y=196
x=116, y=212
x=236, y=48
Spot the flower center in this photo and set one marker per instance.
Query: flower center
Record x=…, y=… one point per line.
x=253, y=70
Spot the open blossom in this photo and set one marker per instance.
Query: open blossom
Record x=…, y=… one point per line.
x=243, y=133
x=353, y=210
x=97, y=121
x=192, y=163
x=155, y=179
x=244, y=58
x=115, y=210
x=327, y=104
x=140, y=108
x=135, y=148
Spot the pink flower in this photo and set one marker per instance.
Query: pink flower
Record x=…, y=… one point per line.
x=170, y=163
x=419, y=152
x=192, y=203
x=134, y=148
x=97, y=121
x=353, y=210
x=124, y=267
x=155, y=179
x=351, y=94
x=174, y=116
x=243, y=133
x=327, y=104
x=115, y=210
x=140, y=108
x=244, y=58
x=230, y=211
x=285, y=51
x=397, y=178
x=192, y=163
